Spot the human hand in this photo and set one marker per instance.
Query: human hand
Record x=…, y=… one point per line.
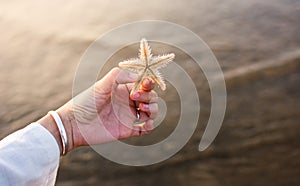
x=107, y=111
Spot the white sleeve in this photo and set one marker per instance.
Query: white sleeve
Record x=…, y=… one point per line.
x=29, y=156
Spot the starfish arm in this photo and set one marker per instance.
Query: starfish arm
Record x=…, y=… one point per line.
x=157, y=77
x=145, y=51
x=133, y=65
x=161, y=61
x=138, y=84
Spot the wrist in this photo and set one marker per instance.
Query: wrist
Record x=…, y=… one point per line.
x=66, y=120
x=71, y=126
x=49, y=123
x=68, y=123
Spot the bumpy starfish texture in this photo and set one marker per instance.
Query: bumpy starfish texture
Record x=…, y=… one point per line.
x=147, y=65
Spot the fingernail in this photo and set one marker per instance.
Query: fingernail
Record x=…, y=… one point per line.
x=147, y=82
x=136, y=95
x=146, y=106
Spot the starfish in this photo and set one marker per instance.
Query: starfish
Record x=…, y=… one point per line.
x=147, y=65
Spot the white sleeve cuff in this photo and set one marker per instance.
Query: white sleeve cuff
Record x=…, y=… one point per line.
x=29, y=156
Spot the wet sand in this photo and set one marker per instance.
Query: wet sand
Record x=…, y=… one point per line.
x=42, y=42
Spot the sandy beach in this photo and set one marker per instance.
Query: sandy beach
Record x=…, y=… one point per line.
x=256, y=43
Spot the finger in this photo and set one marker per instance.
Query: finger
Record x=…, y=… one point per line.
x=141, y=130
x=148, y=84
x=124, y=77
x=142, y=96
x=149, y=126
x=151, y=109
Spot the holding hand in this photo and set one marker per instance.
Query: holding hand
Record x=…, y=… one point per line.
x=107, y=111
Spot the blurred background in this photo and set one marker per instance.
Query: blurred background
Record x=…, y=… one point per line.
x=257, y=44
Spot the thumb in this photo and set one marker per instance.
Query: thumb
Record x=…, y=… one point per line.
x=116, y=75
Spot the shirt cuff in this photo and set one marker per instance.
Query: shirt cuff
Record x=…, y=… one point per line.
x=29, y=156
